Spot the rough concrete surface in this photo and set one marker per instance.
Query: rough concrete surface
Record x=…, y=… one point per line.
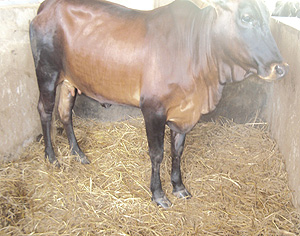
x=18, y=94
x=284, y=103
x=242, y=101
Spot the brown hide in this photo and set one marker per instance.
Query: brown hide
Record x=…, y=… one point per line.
x=119, y=55
x=104, y=53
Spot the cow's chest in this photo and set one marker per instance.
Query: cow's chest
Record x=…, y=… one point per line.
x=184, y=110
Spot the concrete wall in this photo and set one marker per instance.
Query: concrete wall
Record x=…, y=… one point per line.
x=283, y=105
x=18, y=89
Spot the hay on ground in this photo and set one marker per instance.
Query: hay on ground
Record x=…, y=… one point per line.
x=235, y=173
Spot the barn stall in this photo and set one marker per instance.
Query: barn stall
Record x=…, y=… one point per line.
x=235, y=173
x=243, y=177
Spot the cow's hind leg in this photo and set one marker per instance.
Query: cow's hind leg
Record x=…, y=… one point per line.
x=47, y=78
x=66, y=102
x=177, y=145
x=155, y=129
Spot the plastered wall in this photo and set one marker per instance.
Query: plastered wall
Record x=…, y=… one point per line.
x=18, y=89
x=283, y=105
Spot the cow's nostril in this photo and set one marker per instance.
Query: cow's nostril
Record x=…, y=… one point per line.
x=280, y=70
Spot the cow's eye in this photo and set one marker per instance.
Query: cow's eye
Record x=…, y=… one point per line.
x=247, y=19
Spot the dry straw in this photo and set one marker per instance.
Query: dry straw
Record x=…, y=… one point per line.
x=235, y=173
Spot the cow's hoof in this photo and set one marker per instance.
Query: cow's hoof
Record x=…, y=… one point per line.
x=80, y=157
x=182, y=194
x=85, y=160
x=163, y=202
x=56, y=164
x=52, y=159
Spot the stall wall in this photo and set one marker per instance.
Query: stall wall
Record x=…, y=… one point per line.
x=283, y=105
x=18, y=89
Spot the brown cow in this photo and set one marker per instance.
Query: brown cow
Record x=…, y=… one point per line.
x=172, y=62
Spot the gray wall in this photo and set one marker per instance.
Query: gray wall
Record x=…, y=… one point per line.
x=18, y=89
x=283, y=105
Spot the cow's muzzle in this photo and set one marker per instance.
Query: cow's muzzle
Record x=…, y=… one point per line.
x=276, y=71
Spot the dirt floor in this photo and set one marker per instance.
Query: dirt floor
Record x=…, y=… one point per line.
x=235, y=173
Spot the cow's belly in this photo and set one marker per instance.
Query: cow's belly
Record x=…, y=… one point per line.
x=107, y=74
x=106, y=85
x=104, y=56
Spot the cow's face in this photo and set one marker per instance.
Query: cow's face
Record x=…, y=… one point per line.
x=243, y=37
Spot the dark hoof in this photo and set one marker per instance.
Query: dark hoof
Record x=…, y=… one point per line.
x=182, y=194
x=80, y=156
x=163, y=202
x=56, y=164
x=85, y=160
x=53, y=161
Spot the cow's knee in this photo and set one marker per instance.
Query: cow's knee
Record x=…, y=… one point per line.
x=156, y=156
x=45, y=111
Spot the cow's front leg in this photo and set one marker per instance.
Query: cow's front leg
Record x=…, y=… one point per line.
x=177, y=145
x=155, y=128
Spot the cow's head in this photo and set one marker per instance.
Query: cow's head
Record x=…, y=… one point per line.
x=243, y=38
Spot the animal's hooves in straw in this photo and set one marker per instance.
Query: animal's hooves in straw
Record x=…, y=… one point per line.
x=182, y=194
x=56, y=164
x=80, y=157
x=52, y=160
x=163, y=202
x=85, y=160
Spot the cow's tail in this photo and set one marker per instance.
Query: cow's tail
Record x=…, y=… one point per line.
x=34, y=36
x=34, y=44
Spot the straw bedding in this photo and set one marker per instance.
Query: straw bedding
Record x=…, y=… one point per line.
x=235, y=173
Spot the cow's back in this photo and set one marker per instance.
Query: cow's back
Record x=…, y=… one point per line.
x=99, y=45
